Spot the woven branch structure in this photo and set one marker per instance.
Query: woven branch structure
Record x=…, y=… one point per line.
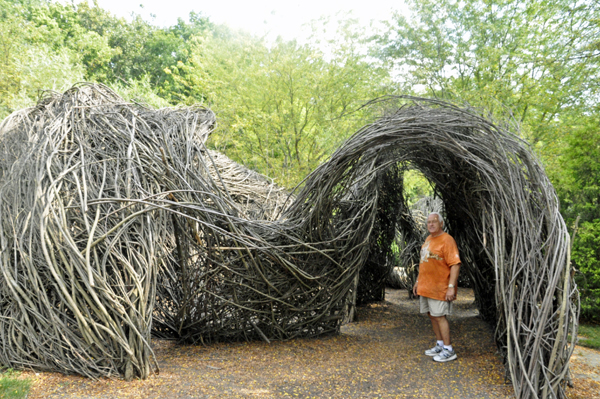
x=119, y=225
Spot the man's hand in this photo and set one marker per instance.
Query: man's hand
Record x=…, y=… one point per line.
x=451, y=291
x=415, y=288
x=451, y=294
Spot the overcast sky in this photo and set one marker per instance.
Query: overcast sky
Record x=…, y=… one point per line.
x=261, y=17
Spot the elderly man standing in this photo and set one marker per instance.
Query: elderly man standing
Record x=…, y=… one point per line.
x=436, y=284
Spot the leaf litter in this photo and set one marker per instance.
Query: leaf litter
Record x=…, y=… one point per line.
x=378, y=356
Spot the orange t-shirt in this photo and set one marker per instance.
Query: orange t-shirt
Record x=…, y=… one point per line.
x=438, y=254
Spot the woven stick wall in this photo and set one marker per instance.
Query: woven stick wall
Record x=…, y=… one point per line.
x=117, y=224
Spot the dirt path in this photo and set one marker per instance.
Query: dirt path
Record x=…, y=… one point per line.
x=380, y=356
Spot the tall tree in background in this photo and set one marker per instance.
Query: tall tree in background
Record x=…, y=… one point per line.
x=49, y=45
x=538, y=58
x=140, y=49
x=578, y=186
x=281, y=109
x=32, y=57
x=11, y=44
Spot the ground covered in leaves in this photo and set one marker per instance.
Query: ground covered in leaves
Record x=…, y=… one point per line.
x=379, y=356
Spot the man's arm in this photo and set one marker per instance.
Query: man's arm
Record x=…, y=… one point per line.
x=451, y=291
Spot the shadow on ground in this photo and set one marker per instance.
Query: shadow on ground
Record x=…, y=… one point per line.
x=379, y=356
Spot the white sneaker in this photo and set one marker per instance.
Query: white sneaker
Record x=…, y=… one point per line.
x=436, y=350
x=445, y=356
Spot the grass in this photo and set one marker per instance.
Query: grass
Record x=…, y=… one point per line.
x=12, y=387
x=589, y=335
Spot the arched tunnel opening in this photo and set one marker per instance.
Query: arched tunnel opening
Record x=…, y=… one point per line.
x=399, y=232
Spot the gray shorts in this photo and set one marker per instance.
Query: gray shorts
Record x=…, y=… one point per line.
x=435, y=307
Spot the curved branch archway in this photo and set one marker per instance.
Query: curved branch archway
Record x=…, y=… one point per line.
x=117, y=224
x=500, y=207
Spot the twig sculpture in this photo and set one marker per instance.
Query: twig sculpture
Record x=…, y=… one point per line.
x=117, y=224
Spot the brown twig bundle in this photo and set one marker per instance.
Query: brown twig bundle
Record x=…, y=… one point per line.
x=117, y=223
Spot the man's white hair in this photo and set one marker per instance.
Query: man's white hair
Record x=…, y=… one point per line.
x=440, y=218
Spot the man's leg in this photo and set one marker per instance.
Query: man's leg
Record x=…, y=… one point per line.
x=447, y=354
x=441, y=327
x=436, y=327
x=424, y=308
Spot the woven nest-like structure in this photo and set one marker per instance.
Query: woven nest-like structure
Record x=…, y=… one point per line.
x=117, y=224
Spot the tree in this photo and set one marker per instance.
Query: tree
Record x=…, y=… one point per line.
x=537, y=58
x=59, y=26
x=141, y=50
x=578, y=185
x=586, y=255
x=281, y=109
x=32, y=58
x=51, y=45
x=11, y=42
x=579, y=172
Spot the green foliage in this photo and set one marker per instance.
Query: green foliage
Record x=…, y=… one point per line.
x=281, y=109
x=141, y=91
x=578, y=173
x=11, y=43
x=59, y=26
x=12, y=387
x=577, y=178
x=139, y=50
x=586, y=258
x=51, y=45
x=416, y=186
x=536, y=58
x=30, y=59
x=589, y=335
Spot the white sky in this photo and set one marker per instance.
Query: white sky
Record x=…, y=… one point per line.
x=260, y=17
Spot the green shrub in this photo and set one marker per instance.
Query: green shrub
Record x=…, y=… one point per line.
x=586, y=258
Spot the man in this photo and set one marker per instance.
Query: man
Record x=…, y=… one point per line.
x=436, y=284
